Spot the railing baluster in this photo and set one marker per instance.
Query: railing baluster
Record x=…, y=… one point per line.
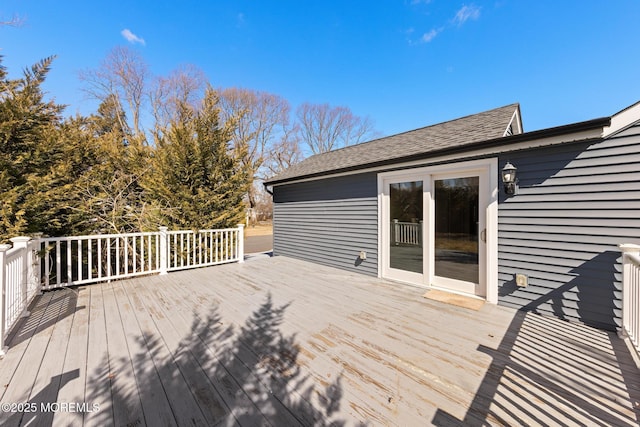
x=69, y=274
x=99, y=255
x=47, y=264
x=58, y=264
x=89, y=260
x=212, y=252
x=125, y=239
x=117, y=272
x=109, y=258
x=79, y=263
x=226, y=245
x=135, y=255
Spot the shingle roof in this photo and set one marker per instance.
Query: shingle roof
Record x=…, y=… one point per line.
x=483, y=126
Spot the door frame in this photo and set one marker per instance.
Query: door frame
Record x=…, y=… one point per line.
x=489, y=189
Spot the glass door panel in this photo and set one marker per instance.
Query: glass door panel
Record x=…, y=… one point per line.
x=405, y=228
x=456, y=228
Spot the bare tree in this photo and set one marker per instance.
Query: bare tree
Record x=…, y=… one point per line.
x=286, y=152
x=260, y=118
x=325, y=128
x=124, y=75
x=185, y=85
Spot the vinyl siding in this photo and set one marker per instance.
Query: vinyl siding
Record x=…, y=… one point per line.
x=576, y=203
x=329, y=222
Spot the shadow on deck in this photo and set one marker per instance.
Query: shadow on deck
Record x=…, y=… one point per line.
x=316, y=346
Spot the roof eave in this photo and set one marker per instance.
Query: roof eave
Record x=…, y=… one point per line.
x=504, y=141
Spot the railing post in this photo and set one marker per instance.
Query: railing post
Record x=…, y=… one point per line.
x=3, y=302
x=163, y=249
x=22, y=243
x=240, y=242
x=627, y=249
x=35, y=269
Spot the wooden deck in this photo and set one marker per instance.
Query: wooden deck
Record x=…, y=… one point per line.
x=283, y=342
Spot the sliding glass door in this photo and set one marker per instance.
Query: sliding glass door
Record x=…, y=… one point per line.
x=434, y=228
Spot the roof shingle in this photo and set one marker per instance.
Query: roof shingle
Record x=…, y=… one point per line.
x=479, y=127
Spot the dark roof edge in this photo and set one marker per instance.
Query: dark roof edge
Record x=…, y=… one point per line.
x=505, y=140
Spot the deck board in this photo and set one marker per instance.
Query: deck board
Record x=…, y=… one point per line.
x=125, y=396
x=232, y=366
x=155, y=406
x=205, y=404
x=97, y=383
x=285, y=342
x=51, y=375
x=75, y=360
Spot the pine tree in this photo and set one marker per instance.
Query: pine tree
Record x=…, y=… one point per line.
x=198, y=179
x=114, y=200
x=30, y=154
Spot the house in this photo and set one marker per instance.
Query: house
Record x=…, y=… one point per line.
x=429, y=208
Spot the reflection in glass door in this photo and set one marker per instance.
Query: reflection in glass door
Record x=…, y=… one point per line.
x=405, y=227
x=456, y=228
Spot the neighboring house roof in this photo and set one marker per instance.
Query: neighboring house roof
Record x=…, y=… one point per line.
x=483, y=126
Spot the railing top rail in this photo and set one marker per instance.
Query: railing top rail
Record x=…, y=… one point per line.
x=98, y=236
x=13, y=252
x=633, y=258
x=629, y=247
x=201, y=231
x=137, y=234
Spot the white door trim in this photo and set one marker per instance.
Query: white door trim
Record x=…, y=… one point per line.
x=488, y=167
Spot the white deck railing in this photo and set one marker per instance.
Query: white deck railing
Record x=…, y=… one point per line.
x=19, y=267
x=631, y=293
x=406, y=233
x=34, y=264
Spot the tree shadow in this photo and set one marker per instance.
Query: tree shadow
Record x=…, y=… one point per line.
x=37, y=406
x=558, y=364
x=217, y=373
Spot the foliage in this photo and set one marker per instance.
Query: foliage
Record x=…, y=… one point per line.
x=198, y=165
x=40, y=157
x=198, y=180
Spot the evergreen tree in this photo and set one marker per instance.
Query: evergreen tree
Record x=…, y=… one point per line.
x=114, y=200
x=39, y=159
x=198, y=178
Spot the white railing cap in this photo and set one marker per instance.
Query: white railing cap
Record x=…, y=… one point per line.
x=5, y=247
x=20, y=239
x=629, y=247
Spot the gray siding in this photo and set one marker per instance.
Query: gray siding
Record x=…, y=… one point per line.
x=576, y=203
x=329, y=222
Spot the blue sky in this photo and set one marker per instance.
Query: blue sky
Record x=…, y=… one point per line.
x=404, y=63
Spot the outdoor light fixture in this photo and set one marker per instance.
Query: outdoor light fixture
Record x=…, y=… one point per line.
x=509, y=178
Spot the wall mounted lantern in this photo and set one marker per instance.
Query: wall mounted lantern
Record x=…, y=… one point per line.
x=509, y=179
